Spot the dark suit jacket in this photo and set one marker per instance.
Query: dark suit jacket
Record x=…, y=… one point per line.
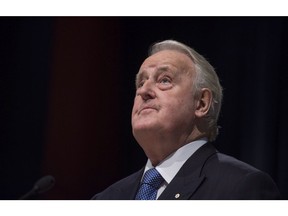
x=206, y=175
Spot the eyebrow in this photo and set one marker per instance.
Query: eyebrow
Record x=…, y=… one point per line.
x=139, y=77
x=159, y=70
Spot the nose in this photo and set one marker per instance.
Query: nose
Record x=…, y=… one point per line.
x=146, y=91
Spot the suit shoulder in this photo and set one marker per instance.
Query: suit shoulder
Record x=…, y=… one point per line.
x=122, y=189
x=231, y=164
x=238, y=179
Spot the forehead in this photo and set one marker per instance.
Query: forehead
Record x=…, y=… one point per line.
x=166, y=59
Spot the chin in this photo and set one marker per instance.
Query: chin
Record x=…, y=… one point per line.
x=146, y=126
x=143, y=128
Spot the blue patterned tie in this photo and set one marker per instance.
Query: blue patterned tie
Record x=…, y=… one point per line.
x=150, y=184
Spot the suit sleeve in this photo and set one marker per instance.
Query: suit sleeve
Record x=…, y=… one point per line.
x=257, y=186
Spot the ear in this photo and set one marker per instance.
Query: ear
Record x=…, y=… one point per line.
x=203, y=103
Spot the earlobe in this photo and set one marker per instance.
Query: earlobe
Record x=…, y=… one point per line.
x=203, y=103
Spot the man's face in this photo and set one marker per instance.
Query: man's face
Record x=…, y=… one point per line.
x=164, y=101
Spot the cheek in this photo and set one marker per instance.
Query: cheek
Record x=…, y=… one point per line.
x=186, y=103
x=135, y=105
x=182, y=97
x=183, y=107
x=186, y=99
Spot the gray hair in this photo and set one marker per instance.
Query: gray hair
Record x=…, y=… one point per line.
x=206, y=77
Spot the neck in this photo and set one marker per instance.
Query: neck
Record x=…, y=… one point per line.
x=158, y=147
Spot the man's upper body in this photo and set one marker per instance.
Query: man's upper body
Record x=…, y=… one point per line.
x=206, y=175
x=177, y=104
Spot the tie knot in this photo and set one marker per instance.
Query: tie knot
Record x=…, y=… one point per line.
x=153, y=178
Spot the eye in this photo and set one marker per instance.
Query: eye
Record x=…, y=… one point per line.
x=165, y=83
x=140, y=84
x=165, y=80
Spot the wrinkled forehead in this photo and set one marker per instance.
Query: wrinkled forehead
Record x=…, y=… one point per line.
x=168, y=59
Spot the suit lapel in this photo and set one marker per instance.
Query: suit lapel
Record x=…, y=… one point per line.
x=189, y=178
x=180, y=189
x=128, y=190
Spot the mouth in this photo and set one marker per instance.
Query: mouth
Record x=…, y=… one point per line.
x=146, y=108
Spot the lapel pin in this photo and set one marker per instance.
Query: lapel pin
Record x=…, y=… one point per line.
x=177, y=195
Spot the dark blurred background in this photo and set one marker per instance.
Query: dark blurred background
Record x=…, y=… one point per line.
x=67, y=88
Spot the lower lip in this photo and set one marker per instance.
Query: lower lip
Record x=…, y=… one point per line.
x=146, y=110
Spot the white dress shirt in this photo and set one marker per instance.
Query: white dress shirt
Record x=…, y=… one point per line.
x=170, y=166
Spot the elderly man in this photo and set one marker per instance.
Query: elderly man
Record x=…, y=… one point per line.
x=174, y=119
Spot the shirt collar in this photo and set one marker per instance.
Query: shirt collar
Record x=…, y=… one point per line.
x=169, y=167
